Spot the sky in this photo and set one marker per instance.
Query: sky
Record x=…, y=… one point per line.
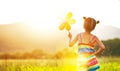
x=40, y=19
x=52, y=12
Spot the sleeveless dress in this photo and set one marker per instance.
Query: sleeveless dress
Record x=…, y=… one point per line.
x=87, y=60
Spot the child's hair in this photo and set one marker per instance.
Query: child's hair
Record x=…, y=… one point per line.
x=89, y=24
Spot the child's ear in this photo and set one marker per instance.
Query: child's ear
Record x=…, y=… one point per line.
x=84, y=17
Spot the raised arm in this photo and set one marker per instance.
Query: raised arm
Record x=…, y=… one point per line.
x=101, y=46
x=72, y=42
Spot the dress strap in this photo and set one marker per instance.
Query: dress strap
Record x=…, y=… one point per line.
x=80, y=37
x=91, y=39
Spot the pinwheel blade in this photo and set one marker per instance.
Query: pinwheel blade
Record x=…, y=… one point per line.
x=68, y=27
x=72, y=21
x=69, y=15
x=62, y=26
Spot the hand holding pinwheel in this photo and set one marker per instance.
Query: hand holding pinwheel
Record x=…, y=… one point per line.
x=70, y=35
x=67, y=22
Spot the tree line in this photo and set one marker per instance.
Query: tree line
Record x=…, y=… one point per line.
x=35, y=54
x=112, y=48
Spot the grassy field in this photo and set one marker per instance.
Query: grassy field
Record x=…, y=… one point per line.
x=106, y=63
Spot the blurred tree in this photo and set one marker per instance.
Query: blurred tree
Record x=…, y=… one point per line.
x=112, y=47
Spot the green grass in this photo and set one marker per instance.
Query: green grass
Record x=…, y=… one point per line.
x=109, y=64
x=106, y=63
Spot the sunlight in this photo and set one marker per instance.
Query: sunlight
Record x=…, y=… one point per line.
x=82, y=61
x=34, y=28
x=41, y=27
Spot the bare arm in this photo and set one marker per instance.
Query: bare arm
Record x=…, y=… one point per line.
x=71, y=43
x=101, y=45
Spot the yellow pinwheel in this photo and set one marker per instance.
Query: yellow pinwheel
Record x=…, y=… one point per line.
x=67, y=22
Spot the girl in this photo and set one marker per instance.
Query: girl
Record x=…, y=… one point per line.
x=86, y=42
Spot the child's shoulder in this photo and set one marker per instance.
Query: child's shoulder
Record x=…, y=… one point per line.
x=92, y=35
x=95, y=37
x=81, y=33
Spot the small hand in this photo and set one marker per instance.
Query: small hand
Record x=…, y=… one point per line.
x=96, y=54
x=70, y=35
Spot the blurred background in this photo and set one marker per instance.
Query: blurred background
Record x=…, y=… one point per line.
x=29, y=29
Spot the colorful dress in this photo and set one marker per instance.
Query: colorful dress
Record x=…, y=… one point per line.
x=87, y=57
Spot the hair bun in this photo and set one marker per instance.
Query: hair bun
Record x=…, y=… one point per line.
x=97, y=22
x=84, y=17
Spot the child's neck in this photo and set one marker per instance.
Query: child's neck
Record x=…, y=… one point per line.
x=87, y=32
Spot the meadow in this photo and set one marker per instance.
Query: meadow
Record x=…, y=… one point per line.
x=106, y=63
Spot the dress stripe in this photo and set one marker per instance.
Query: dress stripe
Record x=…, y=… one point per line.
x=88, y=52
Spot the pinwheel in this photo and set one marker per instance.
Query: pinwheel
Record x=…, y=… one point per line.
x=67, y=23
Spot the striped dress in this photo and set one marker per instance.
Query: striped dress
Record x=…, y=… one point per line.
x=87, y=57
